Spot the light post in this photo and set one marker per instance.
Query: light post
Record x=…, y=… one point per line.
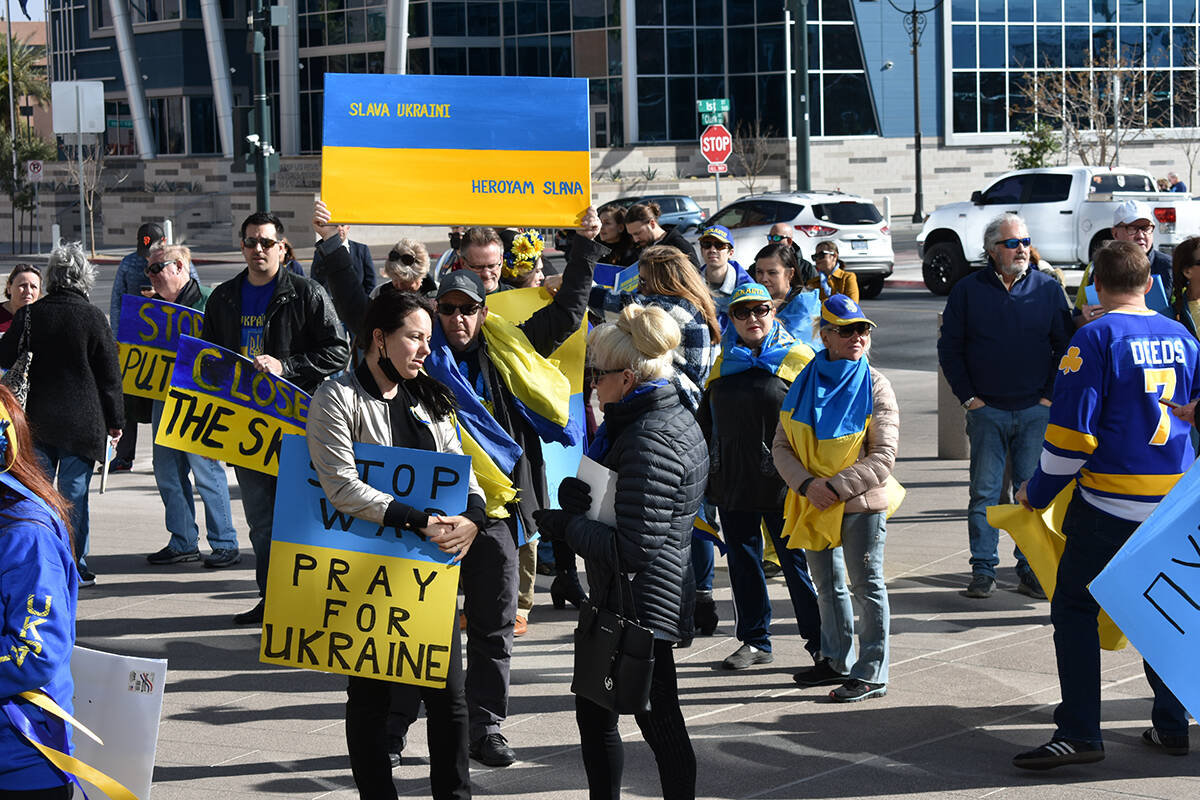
x=798, y=11
x=914, y=26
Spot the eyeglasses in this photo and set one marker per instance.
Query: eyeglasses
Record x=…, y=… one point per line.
x=775, y=237
x=824, y=254
x=1013, y=244
x=407, y=259
x=482, y=267
x=250, y=242
x=157, y=267
x=857, y=329
x=1147, y=227
x=450, y=309
x=741, y=311
x=711, y=244
x=592, y=375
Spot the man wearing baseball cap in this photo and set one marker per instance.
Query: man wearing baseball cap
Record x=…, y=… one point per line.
x=131, y=279
x=1133, y=221
x=720, y=271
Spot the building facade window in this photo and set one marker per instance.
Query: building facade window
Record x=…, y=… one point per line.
x=1000, y=47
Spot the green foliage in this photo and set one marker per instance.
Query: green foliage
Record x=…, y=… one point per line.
x=30, y=147
x=1038, y=144
x=29, y=76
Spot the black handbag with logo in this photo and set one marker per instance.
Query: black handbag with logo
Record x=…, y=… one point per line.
x=614, y=655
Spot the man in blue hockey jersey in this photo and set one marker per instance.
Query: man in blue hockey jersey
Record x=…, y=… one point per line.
x=1112, y=433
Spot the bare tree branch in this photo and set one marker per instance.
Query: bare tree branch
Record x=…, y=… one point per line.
x=752, y=149
x=93, y=170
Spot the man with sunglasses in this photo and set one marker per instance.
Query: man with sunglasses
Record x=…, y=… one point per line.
x=464, y=360
x=1003, y=332
x=287, y=326
x=722, y=274
x=781, y=233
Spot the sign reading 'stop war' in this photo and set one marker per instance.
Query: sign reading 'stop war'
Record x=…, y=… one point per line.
x=148, y=337
x=218, y=405
x=450, y=150
x=350, y=596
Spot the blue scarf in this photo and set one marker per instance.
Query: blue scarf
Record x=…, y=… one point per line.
x=737, y=357
x=600, y=444
x=832, y=397
x=798, y=315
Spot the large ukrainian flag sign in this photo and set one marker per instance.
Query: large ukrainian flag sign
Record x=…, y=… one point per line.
x=450, y=150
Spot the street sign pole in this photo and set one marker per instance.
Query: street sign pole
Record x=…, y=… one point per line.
x=716, y=143
x=79, y=155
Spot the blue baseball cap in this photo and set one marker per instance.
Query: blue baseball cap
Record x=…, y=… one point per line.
x=748, y=292
x=841, y=310
x=718, y=232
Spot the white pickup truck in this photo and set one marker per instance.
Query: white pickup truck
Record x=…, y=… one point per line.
x=1068, y=210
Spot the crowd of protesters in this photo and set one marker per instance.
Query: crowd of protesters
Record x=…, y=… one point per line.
x=732, y=402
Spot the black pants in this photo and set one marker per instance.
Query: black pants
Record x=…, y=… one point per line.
x=489, y=583
x=662, y=726
x=367, y=704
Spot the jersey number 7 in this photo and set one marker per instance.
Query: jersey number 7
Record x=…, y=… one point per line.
x=1166, y=379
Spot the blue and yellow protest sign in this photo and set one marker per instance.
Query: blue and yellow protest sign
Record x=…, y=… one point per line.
x=218, y=405
x=517, y=306
x=456, y=150
x=1151, y=588
x=147, y=337
x=620, y=279
x=348, y=596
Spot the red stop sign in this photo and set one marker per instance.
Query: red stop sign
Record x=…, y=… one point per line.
x=716, y=144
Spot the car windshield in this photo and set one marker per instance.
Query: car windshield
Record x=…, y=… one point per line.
x=847, y=213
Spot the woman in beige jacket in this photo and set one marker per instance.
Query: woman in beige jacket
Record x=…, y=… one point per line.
x=860, y=488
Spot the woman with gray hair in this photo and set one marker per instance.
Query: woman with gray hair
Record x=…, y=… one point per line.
x=74, y=383
x=406, y=267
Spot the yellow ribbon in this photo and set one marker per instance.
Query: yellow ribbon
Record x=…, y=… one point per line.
x=67, y=763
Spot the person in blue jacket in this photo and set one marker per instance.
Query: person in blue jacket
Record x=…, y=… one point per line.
x=38, y=585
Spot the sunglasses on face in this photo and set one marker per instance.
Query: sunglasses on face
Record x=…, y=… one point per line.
x=466, y=309
x=857, y=329
x=250, y=242
x=709, y=244
x=741, y=311
x=1013, y=244
x=592, y=375
x=825, y=254
x=775, y=237
x=157, y=267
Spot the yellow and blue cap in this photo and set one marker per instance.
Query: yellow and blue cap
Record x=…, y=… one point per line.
x=718, y=232
x=748, y=292
x=840, y=310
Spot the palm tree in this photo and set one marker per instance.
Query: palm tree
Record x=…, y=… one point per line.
x=28, y=75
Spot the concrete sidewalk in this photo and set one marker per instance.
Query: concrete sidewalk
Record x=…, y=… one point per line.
x=972, y=681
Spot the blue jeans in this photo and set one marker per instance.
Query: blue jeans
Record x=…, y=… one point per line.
x=1093, y=538
x=704, y=561
x=74, y=476
x=173, y=472
x=860, y=561
x=743, y=540
x=997, y=436
x=258, y=503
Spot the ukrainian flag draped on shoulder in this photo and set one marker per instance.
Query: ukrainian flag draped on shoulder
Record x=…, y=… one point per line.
x=542, y=395
x=780, y=354
x=825, y=416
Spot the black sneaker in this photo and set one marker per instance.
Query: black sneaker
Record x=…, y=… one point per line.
x=771, y=569
x=854, y=690
x=1171, y=745
x=222, y=558
x=120, y=465
x=252, y=617
x=820, y=674
x=747, y=656
x=169, y=555
x=1030, y=586
x=981, y=586
x=1059, y=753
x=87, y=577
x=492, y=750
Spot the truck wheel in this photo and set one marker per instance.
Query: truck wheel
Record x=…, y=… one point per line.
x=869, y=288
x=943, y=267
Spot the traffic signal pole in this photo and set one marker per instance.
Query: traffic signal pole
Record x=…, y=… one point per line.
x=260, y=23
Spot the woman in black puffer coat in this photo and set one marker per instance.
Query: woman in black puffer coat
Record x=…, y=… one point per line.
x=656, y=449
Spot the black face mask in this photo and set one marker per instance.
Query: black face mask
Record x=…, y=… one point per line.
x=388, y=368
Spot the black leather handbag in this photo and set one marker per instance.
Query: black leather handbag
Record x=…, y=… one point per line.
x=614, y=655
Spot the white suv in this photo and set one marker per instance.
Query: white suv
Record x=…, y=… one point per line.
x=863, y=237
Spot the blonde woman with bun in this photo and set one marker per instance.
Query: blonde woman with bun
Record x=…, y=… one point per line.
x=653, y=444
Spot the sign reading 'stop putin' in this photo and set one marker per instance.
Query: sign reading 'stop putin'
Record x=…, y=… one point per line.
x=450, y=150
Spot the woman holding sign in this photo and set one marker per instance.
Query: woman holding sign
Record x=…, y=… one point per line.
x=653, y=444
x=388, y=400
x=38, y=581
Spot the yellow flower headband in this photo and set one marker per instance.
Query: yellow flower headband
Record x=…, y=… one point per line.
x=522, y=256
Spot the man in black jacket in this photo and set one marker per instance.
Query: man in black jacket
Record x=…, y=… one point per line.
x=287, y=326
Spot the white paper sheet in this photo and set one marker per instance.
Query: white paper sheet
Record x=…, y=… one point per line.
x=603, y=483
